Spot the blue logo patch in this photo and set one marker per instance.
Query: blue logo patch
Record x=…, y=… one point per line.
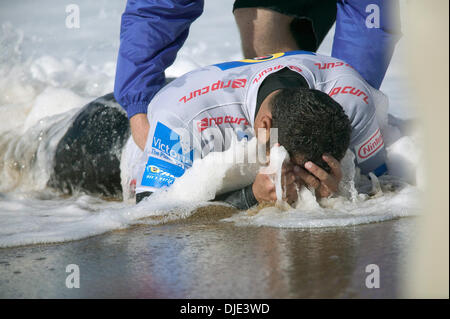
x=168, y=144
x=234, y=64
x=159, y=173
x=243, y=135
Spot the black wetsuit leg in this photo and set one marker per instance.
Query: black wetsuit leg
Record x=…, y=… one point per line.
x=241, y=199
x=87, y=158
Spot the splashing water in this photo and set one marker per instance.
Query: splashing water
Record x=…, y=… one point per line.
x=39, y=95
x=43, y=217
x=360, y=200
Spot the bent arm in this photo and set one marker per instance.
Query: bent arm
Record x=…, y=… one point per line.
x=366, y=34
x=151, y=34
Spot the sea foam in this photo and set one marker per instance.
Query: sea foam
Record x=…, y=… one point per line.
x=39, y=94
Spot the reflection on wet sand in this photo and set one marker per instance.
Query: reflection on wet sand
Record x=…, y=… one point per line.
x=204, y=257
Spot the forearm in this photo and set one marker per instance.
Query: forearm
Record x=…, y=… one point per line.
x=151, y=34
x=241, y=199
x=139, y=129
x=353, y=39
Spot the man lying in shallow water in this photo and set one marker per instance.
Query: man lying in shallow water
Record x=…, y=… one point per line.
x=319, y=105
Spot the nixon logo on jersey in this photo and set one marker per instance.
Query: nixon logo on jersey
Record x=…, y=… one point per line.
x=370, y=147
x=349, y=90
x=235, y=84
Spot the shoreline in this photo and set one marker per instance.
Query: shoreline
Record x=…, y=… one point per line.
x=205, y=258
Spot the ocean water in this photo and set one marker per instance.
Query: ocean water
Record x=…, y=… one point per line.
x=49, y=71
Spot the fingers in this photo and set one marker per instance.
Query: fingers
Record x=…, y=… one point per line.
x=309, y=179
x=334, y=165
x=291, y=194
x=290, y=189
x=317, y=171
x=288, y=178
x=273, y=197
x=328, y=183
x=270, y=190
x=264, y=189
x=325, y=184
x=287, y=167
x=294, y=176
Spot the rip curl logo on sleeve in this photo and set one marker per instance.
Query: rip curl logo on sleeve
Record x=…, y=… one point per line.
x=159, y=173
x=370, y=147
x=169, y=144
x=350, y=90
x=219, y=85
x=239, y=83
x=331, y=65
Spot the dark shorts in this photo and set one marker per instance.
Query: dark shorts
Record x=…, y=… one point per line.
x=313, y=18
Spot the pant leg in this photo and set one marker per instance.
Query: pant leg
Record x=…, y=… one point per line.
x=312, y=18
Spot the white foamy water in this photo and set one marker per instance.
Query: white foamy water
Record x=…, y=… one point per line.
x=359, y=201
x=47, y=72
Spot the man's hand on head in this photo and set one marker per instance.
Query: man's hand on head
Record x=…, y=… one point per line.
x=139, y=129
x=264, y=189
x=289, y=185
x=316, y=177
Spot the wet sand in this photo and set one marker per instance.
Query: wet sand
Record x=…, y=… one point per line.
x=202, y=257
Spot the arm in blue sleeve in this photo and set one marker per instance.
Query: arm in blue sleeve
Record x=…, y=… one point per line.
x=151, y=34
x=363, y=43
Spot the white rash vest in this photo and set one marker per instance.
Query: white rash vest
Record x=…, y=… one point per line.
x=192, y=115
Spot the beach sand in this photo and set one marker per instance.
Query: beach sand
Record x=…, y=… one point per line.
x=203, y=257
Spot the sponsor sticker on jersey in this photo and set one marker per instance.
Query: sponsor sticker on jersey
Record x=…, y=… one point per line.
x=370, y=147
x=263, y=58
x=243, y=135
x=170, y=145
x=159, y=173
x=235, y=64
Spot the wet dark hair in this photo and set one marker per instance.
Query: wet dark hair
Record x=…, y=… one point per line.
x=310, y=123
